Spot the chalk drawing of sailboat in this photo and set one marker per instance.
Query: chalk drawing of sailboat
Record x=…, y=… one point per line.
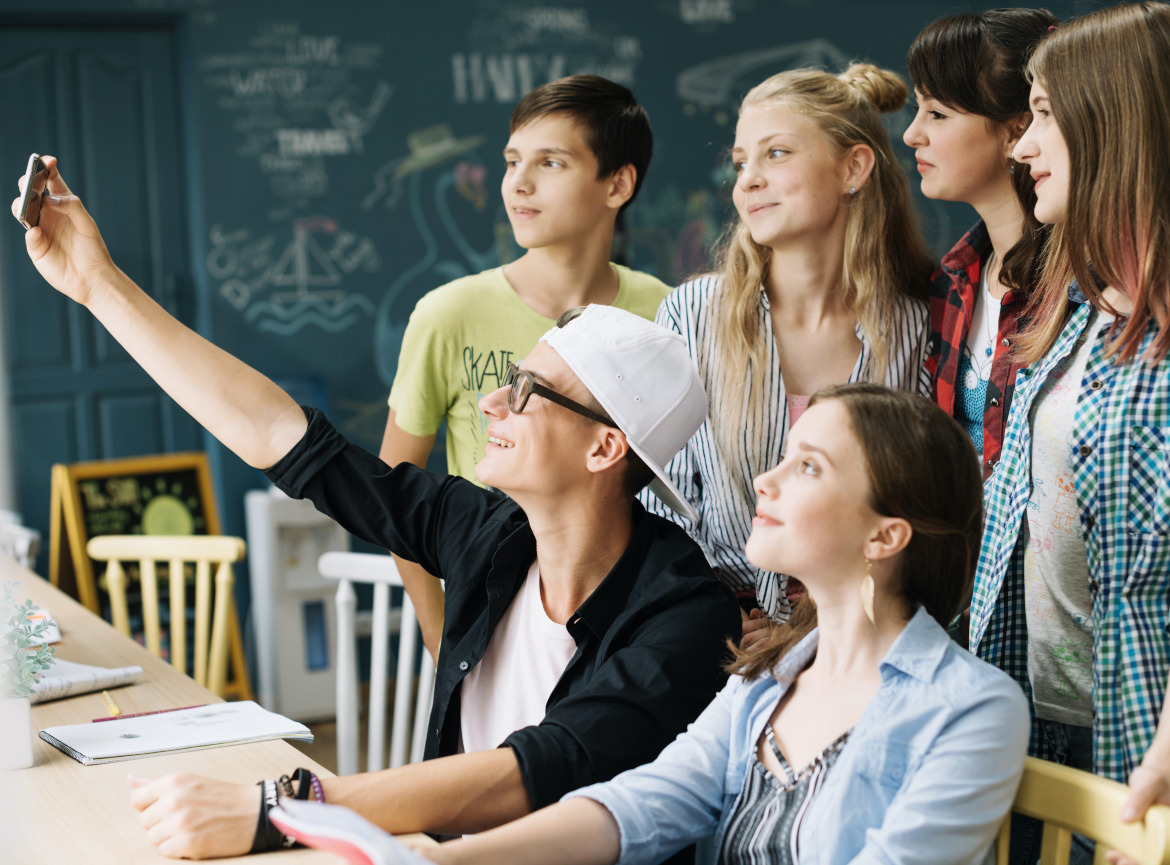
x=310, y=273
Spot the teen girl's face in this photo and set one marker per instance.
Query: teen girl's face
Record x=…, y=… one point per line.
x=1044, y=150
x=812, y=512
x=960, y=157
x=790, y=187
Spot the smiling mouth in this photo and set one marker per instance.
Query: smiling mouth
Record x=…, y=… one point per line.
x=504, y=443
x=759, y=208
x=763, y=519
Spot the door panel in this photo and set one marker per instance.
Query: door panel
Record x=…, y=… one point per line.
x=106, y=102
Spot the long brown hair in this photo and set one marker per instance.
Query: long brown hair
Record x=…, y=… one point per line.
x=885, y=255
x=976, y=63
x=921, y=468
x=1108, y=83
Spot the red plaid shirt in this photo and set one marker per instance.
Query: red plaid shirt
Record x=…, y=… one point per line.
x=953, y=290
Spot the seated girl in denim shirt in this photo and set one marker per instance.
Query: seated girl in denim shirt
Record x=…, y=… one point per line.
x=860, y=733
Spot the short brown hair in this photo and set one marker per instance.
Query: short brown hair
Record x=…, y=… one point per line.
x=922, y=468
x=616, y=127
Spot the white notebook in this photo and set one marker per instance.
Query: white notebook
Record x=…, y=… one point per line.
x=170, y=732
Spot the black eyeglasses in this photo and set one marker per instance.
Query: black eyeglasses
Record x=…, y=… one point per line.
x=524, y=385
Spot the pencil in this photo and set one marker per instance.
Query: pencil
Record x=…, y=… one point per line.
x=111, y=705
x=155, y=712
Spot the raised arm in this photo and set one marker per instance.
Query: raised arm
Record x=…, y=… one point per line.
x=242, y=408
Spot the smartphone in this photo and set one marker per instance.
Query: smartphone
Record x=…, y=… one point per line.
x=29, y=208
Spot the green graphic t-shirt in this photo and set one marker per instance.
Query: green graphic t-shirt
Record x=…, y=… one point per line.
x=457, y=347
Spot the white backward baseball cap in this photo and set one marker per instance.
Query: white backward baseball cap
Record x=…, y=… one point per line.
x=643, y=377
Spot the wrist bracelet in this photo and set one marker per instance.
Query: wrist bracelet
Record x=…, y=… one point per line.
x=308, y=782
x=267, y=800
x=267, y=836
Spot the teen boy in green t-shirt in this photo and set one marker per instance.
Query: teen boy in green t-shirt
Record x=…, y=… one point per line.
x=578, y=150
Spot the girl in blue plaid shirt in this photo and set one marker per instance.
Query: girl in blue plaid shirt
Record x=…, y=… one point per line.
x=1071, y=589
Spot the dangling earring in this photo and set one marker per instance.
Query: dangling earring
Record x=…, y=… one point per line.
x=867, y=592
x=1012, y=168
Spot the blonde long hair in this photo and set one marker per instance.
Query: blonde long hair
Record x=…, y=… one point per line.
x=885, y=255
x=1109, y=86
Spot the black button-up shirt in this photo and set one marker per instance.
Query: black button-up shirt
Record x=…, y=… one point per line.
x=650, y=639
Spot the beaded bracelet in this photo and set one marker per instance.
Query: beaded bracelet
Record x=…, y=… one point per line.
x=308, y=781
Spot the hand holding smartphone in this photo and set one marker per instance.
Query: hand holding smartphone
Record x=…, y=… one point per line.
x=29, y=206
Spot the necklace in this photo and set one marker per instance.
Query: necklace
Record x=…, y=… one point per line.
x=988, y=324
x=979, y=356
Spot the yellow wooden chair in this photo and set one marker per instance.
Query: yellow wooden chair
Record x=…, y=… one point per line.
x=214, y=626
x=1070, y=801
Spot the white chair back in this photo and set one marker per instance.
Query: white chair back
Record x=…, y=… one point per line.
x=380, y=572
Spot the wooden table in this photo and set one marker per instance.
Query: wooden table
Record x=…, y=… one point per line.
x=60, y=811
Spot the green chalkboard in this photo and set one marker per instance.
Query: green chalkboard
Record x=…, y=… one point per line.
x=167, y=494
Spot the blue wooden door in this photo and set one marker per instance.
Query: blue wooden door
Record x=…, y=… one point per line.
x=106, y=102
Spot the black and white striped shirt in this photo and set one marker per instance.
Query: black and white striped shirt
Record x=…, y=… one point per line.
x=722, y=494
x=767, y=815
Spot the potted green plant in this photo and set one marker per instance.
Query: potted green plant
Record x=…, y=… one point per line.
x=23, y=657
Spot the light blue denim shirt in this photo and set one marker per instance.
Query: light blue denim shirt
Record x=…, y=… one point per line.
x=927, y=775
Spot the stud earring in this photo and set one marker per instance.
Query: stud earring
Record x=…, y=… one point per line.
x=852, y=190
x=867, y=592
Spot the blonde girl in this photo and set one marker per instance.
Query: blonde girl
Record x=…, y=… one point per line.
x=822, y=280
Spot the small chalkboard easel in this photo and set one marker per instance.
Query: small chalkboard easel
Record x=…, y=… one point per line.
x=165, y=494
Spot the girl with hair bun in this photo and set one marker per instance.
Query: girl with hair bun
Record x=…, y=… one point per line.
x=972, y=94
x=860, y=734
x=822, y=280
x=1071, y=592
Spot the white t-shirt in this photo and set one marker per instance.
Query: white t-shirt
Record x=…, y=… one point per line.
x=509, y=688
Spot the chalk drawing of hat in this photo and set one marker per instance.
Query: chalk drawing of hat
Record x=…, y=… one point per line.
x=431, y=145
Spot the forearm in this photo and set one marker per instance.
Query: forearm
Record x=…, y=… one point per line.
x=426, y=593
x=577, y=832
x=242, y=408
x=451, y=795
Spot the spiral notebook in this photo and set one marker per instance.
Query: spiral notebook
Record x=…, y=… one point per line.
x=170, y=732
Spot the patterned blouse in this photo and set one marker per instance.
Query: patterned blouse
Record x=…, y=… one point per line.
x=766, y=816
x=721, y=491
